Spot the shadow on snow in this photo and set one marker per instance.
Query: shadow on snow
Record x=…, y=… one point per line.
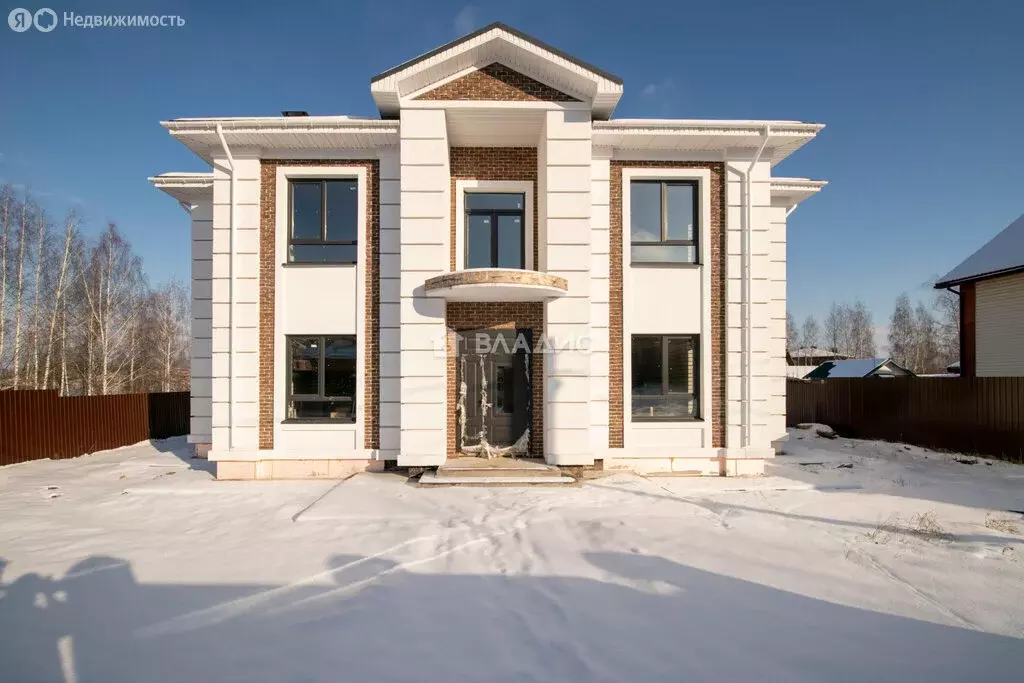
x=370, y=619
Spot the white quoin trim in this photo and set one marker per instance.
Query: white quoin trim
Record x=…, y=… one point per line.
x=463, y=187
x=748, y=283
x=707, y=407
x=231, y=288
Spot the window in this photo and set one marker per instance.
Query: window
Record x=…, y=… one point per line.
x=321, y=379
x=324, y=221
x=495, y=235
x=664, y=221
x=504, y=387
x=665, y=371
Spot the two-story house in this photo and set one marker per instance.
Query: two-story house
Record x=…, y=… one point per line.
x=493, y=266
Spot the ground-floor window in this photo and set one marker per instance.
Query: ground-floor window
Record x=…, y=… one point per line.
x=665, y=371
x=321, y=382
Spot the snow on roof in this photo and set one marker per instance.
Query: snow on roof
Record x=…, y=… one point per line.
x=1002, y=253
x=814, y=352
x=858, y=367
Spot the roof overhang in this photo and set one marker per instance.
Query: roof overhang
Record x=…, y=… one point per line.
x=298, y=133
x=706, y=136
x=1001, y=255
x=946, y=283
x=498, y=43
x=189, y=189
x=791, y=191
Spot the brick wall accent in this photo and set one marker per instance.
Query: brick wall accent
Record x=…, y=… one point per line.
x=496, y=82
x=492, y=163
x=268, y=264
x=716, y=347
x=463, y=316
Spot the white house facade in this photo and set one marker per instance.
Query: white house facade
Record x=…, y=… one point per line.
x=494, y=266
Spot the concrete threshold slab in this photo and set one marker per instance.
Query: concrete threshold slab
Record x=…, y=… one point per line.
x=432, y=479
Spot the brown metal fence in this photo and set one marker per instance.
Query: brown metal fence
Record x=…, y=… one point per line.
x=983, y=415
x=42, y=424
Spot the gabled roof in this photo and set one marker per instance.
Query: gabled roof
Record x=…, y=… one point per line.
x=1001, y=255
x=505, y=45
x=859, y=367
x=486, y=29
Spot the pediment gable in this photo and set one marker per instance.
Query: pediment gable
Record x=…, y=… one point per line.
x=497, y=82
x=497, y=63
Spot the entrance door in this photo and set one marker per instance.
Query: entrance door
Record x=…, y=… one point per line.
x=493, y=383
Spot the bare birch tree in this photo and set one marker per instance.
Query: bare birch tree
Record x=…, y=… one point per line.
x=170, y=309
x=861, y=331
x=113, y=284
x=57, y=311
x=6, y=220
x=24, y=219
x=811, y=332
x=38, y=268
x=925, y=344
x=947, y=309
x=901, y=332
x=792, y=336
x=835, y=328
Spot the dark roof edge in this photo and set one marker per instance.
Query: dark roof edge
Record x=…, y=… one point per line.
x=490, y=27
x=946, y=284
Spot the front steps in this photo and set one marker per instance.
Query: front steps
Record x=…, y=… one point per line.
x=495, y=472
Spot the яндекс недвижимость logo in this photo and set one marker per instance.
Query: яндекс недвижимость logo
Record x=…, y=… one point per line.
x=21, y=20
x=45, y=20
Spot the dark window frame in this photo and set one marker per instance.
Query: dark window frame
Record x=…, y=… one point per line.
x=665, y=241
x=321, y=381
x=694, y=395
x=323, y=241
x=494, y=213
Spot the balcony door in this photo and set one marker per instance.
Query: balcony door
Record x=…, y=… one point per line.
x=495, y=230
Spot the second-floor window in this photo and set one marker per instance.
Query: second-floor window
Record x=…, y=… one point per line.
x=324, y=223
x=495, y=236
x=664, y=221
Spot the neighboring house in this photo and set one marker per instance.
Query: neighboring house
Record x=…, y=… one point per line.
x=492, y=266
x=860, y=367
x=801, y=361
x=990, y=283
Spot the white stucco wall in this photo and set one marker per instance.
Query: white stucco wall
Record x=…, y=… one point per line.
x=201, y=382
x=999, y=321
x=390, y=300
x=599, y=304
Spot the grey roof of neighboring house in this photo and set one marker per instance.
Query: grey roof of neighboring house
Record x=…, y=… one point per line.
x=860, y=367
x=1001, y=255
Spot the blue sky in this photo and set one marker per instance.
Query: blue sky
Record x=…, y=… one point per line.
x=923, y=100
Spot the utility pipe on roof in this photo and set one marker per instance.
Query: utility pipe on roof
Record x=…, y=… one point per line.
x=747, y=293
x=231, y=289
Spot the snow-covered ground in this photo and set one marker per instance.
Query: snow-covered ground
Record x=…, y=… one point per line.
x=134, y=565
